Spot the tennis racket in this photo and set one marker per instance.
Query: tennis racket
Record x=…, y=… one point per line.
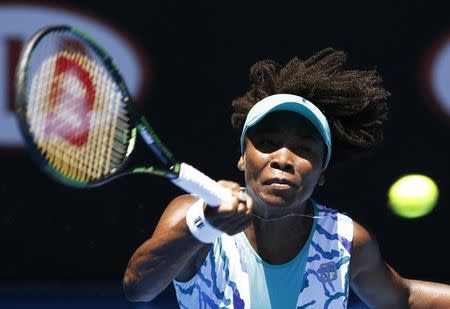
x=79, y=121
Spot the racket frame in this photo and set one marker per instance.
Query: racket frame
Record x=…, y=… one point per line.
x=139, y=123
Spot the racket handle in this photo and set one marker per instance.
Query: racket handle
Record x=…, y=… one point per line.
x=193, y=181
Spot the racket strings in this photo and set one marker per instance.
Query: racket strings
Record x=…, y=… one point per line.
x=77, y=115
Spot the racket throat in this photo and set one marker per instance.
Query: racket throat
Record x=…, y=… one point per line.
x=166, y=173
x=153, y=141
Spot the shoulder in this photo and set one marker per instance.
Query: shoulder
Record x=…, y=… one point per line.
x=363, y=239
x=340, y=219
x=330, y=212
x=365, y=249
x=364, y=246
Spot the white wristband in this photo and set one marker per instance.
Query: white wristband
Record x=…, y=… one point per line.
x=199, y=227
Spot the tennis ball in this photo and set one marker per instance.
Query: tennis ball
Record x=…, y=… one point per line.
x=413, y=196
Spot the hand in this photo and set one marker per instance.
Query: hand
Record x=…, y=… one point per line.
x=233, y=216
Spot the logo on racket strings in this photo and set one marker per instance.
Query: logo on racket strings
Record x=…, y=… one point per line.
x=72, y=95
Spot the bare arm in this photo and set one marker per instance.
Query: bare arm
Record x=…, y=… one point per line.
x=173, y=252
x=375, y=282
x=425, y=294
x=159, y=259
x=380, y=286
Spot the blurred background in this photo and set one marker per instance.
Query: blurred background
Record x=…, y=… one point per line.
x=185, y=62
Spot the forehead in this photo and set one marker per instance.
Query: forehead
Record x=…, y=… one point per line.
x=285, y=122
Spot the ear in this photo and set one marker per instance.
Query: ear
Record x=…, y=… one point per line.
x=321, y=181
x=241, y=163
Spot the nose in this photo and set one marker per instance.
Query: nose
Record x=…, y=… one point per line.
x=282, y=160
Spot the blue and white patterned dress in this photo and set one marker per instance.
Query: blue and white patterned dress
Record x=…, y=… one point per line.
x=223, y=280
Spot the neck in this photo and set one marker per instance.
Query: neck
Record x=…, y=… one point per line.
x=275, y=215
x=279, y=239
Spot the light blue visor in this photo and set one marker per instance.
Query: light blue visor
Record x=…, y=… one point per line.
x=293, y=103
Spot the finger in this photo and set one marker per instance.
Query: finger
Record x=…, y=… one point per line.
x=248, y=202
x=241, y=209
x=229, y=209
x=231, y=185
x=237, y=209
x=242, y=195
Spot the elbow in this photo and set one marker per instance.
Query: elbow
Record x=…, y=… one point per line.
x=133, y=292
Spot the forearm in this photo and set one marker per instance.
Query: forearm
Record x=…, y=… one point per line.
x=158, y=261
x=425, y=294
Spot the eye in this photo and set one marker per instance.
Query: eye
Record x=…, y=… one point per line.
x=266, y=144
x=302, y=150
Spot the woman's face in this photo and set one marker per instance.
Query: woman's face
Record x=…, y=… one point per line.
x=282, y=160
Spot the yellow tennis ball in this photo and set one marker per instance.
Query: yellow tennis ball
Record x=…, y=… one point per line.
x=413, y=196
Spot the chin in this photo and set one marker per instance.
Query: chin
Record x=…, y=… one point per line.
x=276, y=200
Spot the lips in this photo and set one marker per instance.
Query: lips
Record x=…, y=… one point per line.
x=280, y=182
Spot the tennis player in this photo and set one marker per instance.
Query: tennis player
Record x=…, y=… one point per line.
x=272, y=246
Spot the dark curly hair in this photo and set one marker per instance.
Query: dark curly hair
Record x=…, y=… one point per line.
x=353, y=101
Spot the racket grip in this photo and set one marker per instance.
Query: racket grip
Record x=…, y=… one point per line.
x=193, y=181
